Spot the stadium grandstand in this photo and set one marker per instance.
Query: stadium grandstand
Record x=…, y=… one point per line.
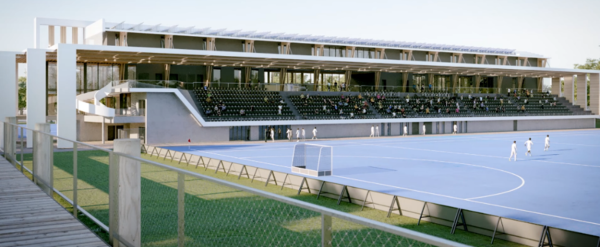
x=172, y=85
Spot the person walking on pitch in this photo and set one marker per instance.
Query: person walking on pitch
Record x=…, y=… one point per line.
x=272, y=135
x=513, y=151
x=372, y=131
x=455, y=129
x=314, y=133
x=547, y=143
x=405, y=131
x=377, y=133
x=298, y=135
x=528, y=144
x=289, y=134
x=303, y=135
x=424, y=129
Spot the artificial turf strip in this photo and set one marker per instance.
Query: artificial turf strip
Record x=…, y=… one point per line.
x=221, y=216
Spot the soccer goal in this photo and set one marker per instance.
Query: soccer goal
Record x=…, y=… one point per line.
x=312, y=159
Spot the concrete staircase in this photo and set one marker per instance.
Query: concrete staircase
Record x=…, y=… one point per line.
x=577, y=110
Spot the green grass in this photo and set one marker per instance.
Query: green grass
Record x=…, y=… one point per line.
x=217, y=215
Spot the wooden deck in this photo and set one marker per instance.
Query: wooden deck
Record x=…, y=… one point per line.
x=28, y=217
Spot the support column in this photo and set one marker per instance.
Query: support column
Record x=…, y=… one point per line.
x=540, y=81
x=128, y=189
x=51, y=40
x=405, y=82
x=421, y=128
x=454, y=83
x=36, y=89
x=167, y=73
x=123, y=39
x=43, y=161
x=63, y=35
x=103, y=129
x=74, y=37
x=555, y=87
x=66, y=112
x=8, y=84
x=477, y=83
x=377, y=79
x=569, y=89
x=519, y=83
x=316, y=78
x=595, y=93
x=499, y=84
x=209, y=70
x=581, y=91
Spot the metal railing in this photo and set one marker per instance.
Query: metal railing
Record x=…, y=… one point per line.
x=323, y=87
x=180, y=207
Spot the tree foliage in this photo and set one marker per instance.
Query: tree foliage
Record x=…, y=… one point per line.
x=22, y=91
x=593, y=64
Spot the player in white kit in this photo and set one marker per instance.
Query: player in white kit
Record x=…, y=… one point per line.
x=405, y=131
x=424, y=129
x=289, y=134
x=372, y=131
x=547, y=143
x=303, y=135
x=298, y=135
x=272, y=135
x=455, y=129
x=513, y=151
x=528, y=144
x=314, y=133
x=377, y=130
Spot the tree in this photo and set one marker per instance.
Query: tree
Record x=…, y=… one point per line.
x=590, y=64
x=22, y=92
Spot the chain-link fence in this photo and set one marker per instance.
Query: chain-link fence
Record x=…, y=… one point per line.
x=175, y=207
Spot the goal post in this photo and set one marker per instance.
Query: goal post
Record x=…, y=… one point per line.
x=312, y=159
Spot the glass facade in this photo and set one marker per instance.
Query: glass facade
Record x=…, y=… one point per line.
x=216, y=76
x=272, y=76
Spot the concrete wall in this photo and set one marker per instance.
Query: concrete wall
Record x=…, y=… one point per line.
x=301, y=49
x=420, y=55
x=169, y=122
x=186, y=42
x=392, y=54
x=336, y=130
x=490, y=126
x=555, y=124
x=87, y=132
x=392, y=79
x=266, y=47
x=229, y=45
x=143, y=40
x=444, y=57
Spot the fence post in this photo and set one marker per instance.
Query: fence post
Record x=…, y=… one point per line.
x=326, y=230
x=75, y=180
x=10, y=140
x=129, y=191
x=43, y=158
x=180, y=209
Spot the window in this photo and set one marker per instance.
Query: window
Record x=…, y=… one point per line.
x=216, y=75
x=271, y=76
x=237, y=75
x=308, y=78
x=254, y=75
x=92, y=77
x=79, y=78
x=131, y=71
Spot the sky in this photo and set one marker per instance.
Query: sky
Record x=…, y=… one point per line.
x=565, y=31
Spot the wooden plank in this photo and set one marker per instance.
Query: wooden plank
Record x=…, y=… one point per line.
x=28, y=217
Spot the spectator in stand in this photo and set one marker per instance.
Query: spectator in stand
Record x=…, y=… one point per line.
x=447, y=110
x=242, y=112
x=278, y=111
x=266, y=100
x=523, y=108
x=251, y=108
x=457, y=110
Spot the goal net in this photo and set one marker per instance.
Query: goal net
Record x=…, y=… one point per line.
x=312, y=159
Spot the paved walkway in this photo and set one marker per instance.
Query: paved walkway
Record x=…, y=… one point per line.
x=28, y=217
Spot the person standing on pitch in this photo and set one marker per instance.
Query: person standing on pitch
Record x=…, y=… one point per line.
x=272, y=135
x=303, y=135
x=513, y=151
x=298, y=135
x=377, y=133
x=372, y=131
x=289, y=134
x=315, y=134
x=455, y=129
x=547, y=143
x=266, y=134
x=528, y=144
x=405, y=131
x=424, y=129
